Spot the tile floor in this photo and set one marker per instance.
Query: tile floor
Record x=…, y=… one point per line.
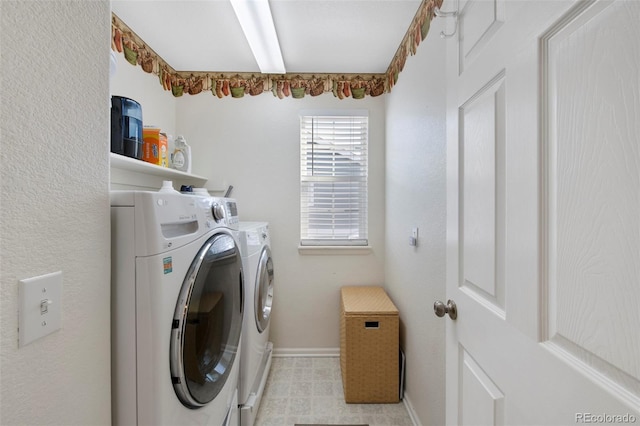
x=309, y=390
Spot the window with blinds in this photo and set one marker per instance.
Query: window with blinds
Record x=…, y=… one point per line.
x=333, y=180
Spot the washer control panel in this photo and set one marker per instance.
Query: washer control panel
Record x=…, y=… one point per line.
x=224, y=211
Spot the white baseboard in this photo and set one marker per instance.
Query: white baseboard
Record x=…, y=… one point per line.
x=306, y=352
x=412, y=413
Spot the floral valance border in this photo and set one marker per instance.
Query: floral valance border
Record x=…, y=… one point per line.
x=236, y=85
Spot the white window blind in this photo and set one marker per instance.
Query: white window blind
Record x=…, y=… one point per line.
x=333, y=180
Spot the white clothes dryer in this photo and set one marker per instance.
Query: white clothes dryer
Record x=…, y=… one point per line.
x=255, y=361
x=177, y=309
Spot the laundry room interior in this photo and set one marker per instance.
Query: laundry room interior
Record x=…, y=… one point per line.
x=251, y=145
x=60, y=68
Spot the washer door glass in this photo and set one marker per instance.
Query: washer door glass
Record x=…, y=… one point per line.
x=207, y=322
x=264, y=290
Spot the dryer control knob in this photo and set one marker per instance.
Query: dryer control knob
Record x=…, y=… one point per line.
x=218, y=211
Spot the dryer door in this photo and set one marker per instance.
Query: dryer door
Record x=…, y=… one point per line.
x=264, y=290
x=207, y=322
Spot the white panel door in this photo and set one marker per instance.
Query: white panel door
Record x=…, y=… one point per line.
x=543, y=212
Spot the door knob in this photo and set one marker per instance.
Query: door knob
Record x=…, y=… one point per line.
x=450, y=308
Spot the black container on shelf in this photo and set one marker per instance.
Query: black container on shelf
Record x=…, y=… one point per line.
x=126, y=127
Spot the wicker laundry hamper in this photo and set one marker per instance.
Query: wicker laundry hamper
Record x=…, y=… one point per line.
x=369, y=345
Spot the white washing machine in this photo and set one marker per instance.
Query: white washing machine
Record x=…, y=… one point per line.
x=255, y=361
x=177, y=309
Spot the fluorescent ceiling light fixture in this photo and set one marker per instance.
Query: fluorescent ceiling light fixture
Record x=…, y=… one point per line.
x=257, y=24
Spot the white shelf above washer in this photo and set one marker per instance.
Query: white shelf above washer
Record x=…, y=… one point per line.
x=129, y=173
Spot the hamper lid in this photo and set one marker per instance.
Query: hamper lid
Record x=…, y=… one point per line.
x=367, y=300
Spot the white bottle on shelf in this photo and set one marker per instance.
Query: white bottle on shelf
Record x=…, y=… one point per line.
x=182, y=155
x=167, y=186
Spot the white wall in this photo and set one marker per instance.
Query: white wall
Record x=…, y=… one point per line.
x=55, y=207
x=252, y=143
x=416, y=197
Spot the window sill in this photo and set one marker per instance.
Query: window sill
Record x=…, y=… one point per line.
x=334, y=250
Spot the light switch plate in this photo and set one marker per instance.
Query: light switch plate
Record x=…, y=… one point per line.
x=39, y=307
